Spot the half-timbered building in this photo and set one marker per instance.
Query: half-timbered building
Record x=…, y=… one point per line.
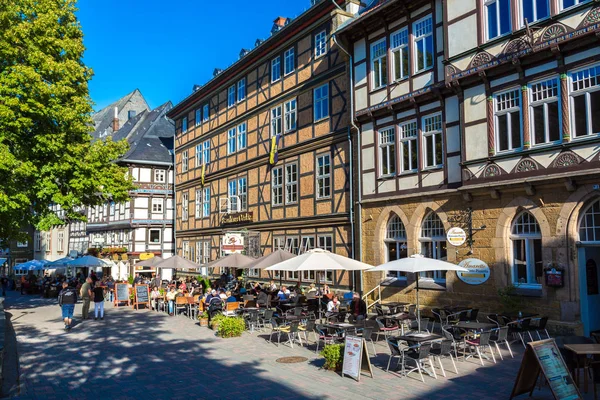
x=481, y=115
x=263, y=153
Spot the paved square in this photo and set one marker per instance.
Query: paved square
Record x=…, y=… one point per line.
x=143, y=354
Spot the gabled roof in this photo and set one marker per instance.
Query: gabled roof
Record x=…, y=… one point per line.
x=103, y=119
x=372, y=8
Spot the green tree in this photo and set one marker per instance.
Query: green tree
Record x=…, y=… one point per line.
x=46, y=151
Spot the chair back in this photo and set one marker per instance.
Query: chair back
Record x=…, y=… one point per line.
x=248, y=297
x=412, y=309
x=249, y=303
x=380, y=324
x=297, y=311
x=473, y=314
x=232, y=306
x=425, y=323
x=393, y=345
x=310, y=326
x=484, y=338
x=190, y=300
x=253, y=316
x=379, y=310
x=463, y=316
x=351, y=319
x=197, y=298
x=525, y=323
x=494, y=318
x=502, y=334
x=446, y=347
x=294, y=326
x=181, y=300
x=424, y=350
x=366, y=333
x=268, y=314
x=274, y=323
x=543, y=322
x=447, y=334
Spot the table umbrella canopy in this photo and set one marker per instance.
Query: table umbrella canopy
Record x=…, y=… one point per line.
x=87, y=261
x=151, y=262
x=234, y=260
x=417, y=263
x=177, y=262
x=32, y=265
x=60, y=263
x=270, y=259
x=319, y=260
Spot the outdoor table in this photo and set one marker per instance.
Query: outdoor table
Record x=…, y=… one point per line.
x=343, y=327
x=418, y=337
x=475, y=326
x=394, y=305
x=582, y=351
x=515, y=316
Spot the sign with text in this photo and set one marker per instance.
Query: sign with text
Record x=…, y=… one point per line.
x=456, y=236
x=478, y=273
x=141, y=295
x=237, y=218
x=233, y=243
x=544, y=356
x=356, y=359
x=146, y=256
x=121, y=293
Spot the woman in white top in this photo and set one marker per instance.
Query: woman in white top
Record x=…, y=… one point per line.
x=333, y=306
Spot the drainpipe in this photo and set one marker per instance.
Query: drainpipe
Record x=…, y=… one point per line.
x=358, y=203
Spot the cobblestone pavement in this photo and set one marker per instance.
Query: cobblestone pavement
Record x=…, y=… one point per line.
x=143, y=354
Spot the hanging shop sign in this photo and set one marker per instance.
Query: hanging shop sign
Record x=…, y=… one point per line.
x=237, y=218
x=456, y=236
x=146, y=256
x=232, y=243
x=478, y=273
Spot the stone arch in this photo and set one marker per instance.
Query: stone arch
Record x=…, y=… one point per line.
x=381, y=228
x=414, y=228
x=501, y=242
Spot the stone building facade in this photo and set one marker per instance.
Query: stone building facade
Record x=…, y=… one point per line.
x=481, y=115
x=262, y=150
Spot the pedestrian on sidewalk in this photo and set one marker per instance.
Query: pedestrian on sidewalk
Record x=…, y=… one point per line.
x=4, y=284
x=67, y=299
x=98, y=302
x=86, y=296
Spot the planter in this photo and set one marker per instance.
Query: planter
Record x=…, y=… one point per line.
x=203, y=321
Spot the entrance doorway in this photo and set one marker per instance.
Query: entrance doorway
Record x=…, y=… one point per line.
x=589, y=279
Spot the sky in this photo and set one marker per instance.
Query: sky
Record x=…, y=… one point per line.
x=164, y=47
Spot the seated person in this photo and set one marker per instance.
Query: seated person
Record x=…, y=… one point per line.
x=272, y=287
x=262, y=298
x=312, y=289
x=212, y=294
x=283, y=294
x=358, y=308
x=333, y=307
x=326, y=290
x=222, y=295
x=230, y=298
x=171, y=299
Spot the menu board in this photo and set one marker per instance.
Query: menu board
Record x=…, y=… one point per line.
x=544, y=356
x=121, y=293
x=356, y=358
x=141, y=295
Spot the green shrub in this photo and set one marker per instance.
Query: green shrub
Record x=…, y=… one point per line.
x=231, y=327
x=510, y=300
x=216, y=320
x=130, y=279
x=204, y=315
x=334, y=356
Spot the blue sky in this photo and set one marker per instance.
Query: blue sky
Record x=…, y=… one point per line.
x=164, y=47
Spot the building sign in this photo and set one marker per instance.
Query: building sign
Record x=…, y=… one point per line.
x=478, y=273
x=456, y=236
x=146, y=256
x=232, y=243
x=237, y=218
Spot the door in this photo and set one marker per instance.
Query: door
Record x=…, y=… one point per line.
x=589, y=279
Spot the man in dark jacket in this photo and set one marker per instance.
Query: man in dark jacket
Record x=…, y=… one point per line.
x=358, y=307
x=67, y=299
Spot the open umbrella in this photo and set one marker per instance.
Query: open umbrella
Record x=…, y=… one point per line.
x=60, y=263
x=271, y=259
x=234, y=260
x=151, y=262
x=415, y=264
x=87, y=261
x=177, y=262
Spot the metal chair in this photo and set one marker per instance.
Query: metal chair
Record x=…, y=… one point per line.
x=277, y=329
x=473, y=315
x=456, y=341
x=366, y=334
x=440, y=314
x=306, y=329
x=540, y=327
x=443, y=350
x=325, y=337
x=294, y=333
x=521, y=328
x=480, y=344
x=181, y=303
x=395, y=351
x=384, y=329
x=500, y=336
x=420, y=355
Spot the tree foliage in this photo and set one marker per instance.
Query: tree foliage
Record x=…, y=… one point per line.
x=46, y=153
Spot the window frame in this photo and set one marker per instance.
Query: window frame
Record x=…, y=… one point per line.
x=320, y=39
x=534, y=10
x=406, y=141
x=288, y=114
x=276, y=120
x=498, y=19
x=185, y=206
x=577, y=2
x=381, y=72
x=184, y=125
x=287, y=55
x=206, y=202
x=232, y=141
x=157, y=201
x=158, y=173
x=401, y=48
x=318, y=102
x=205, y=112
x=276, y=67
x=241, y=90
x=544, y=103
x=423, y=37
x=242, y=133
x=291, y=185
x=198, y=117
x=508, y=111
x=277, y=186
x=231, y=92
x=436, y=241
x=433, y=133
x=150, y=235
x=184, y=161
x=391, y=161
x=586, y=93
x=323, y=177
x=399, y=242
x=198, y=204
x=528, y=238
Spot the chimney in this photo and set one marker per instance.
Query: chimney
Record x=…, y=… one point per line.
x=280, y=22
x=115, y=124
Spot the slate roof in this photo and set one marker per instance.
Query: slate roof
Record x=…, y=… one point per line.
x=103, y=119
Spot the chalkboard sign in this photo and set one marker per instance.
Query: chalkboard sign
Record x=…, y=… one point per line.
x=141, y=295
x=544, y=356
x=121, y=293
x=356, y=358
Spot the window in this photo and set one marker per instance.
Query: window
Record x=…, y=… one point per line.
x=231, y=96
x=277, y=186
x=154, y=235
x=206, y=202
x=157, y=205
x=585, y=101
x=198, y=117
x=527, y=250
x=423, y=37
x=186, y=249
x=206, y=151
x=320, y=44
x=408, y=146
x=205, y=112
x=232, y=194
x=198, y=155
x=545, y=127
x=571, y=3
x=37, y=241
x=238, y=194
x=532, y=10
x=589, y=226
x=432, y=139
x=292, y=244
x=241, y=89
x=275, y=69
x=276, y=121
x=198, y=204
x=508, y=120
x=387, y=151
x=323, y=176
x=433, y=243
x=159, y=175
x=243, y=193
x=289, y=61
x=379, y=63
x=497, y=17
x=60, y=246
x=241, y=136
x=396, y=244
x=184, y=125
x=184, y=206
x=291, y=183
x=400, y=68
x=290, y=115
x=308, y=243
x=231, y=141
x=321, y=100
x=202, y=252
x=112, y=208
x=184, y=161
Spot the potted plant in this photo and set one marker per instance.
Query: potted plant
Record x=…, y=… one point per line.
x=215, y=321
x=162, y=292
x=231, y=327
x=203, y=318
x=334, y=356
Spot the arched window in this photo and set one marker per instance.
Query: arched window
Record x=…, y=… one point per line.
x=433, y=243
x=589, y=226
x=526, y=241
x=395, y=243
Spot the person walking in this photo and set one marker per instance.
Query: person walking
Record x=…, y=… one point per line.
x=98, y=302
x=86, y=296
x=4, y=284
x=66, y=300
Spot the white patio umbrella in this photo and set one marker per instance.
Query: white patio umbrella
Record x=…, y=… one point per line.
x=415, y=264
x=151, y=262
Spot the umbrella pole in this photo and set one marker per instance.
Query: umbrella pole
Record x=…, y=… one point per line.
x=418, y=309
